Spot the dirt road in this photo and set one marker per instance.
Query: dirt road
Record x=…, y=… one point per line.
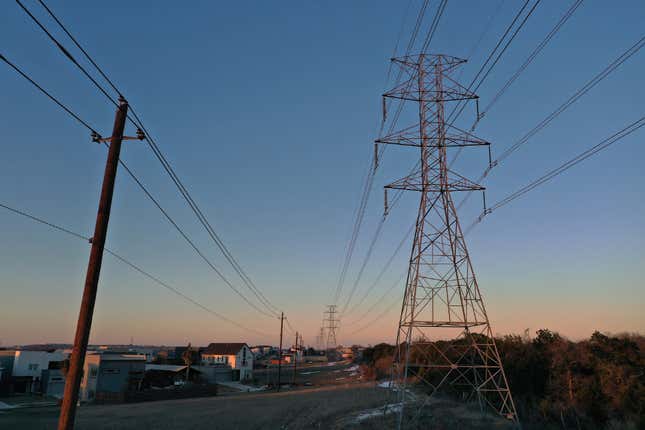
x=317, y=408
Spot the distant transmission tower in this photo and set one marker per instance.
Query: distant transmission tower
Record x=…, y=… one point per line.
x=331, y=324
x=320, y=338
x=444, y=340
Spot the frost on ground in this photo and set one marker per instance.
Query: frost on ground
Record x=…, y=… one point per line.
x=4, y=405
x=242, y=387
x=377, y=412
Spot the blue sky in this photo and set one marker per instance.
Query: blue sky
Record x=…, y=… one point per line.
x=267, y=111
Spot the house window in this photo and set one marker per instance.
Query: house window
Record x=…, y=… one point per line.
x=33, y=366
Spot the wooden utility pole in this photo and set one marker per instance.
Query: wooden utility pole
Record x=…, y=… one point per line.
x=295, y=360
x=75, y=373
x=280, y=350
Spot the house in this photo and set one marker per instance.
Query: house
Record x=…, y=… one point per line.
x=26, y=367
x=109, y=376
x=53, y=380
x=236, y=355
x=261, y=350
x=165, y=375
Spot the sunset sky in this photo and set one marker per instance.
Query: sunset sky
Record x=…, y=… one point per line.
x=268, y=111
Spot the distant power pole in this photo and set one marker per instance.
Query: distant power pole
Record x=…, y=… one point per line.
x=280, y=350
x=331, y=325
x=295, y=360
x=320, y=337
x=75, y=373
x=442, y=298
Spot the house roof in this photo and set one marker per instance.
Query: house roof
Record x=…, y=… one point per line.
x=224, y=348
x=168, y=368
x=121, y=357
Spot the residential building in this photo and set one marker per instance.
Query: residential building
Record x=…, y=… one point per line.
x=164, y=375
x=236, y=355
x=108, y=376
x=23, y=369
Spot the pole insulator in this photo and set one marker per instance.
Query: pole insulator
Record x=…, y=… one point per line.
x=385, y=206
x=375, y=156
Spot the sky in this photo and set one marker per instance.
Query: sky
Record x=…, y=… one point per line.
x=268, y=112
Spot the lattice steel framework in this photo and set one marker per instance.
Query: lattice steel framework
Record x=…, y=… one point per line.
x=331, y=324
x=444, y=340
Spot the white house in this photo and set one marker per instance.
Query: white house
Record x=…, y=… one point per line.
x=32, y=363
x=236, y=355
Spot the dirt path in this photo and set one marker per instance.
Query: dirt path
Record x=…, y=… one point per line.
x=304, y=409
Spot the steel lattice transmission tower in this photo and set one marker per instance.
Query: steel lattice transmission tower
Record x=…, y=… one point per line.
x=444, y=340
x=331, y=325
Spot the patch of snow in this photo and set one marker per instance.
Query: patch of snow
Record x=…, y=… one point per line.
x=354, y=368
x=309, y=373
x=385, y=384
x=242, y=387
x=4, y=406
x=371, y=413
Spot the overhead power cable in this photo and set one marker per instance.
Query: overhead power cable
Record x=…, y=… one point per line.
x=67, y=53
x=370, y=250
x=434, y=25
x=369, y=177
x=378, y=317
x=45, y=92
x=379, y=300
x=532, y=56
x=482, y=35
x=461, y=105
x=131, y=265
x=604, y=144
x=599, y=77
x=139, y=183
x=384, y=269
x=158, y=154
x=582, y=91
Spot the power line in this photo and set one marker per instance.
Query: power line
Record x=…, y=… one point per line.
x=368, y=255
x=130, y=264
x=482, y=35
x=159, y=155
x=610, y=68
x=434, y=25
x=369, y=178
x=532, y=56
x=460, y=106
x=73, y=39
x=380, y=299
x=605, y=143
x=582, y=91
x=384, y=269
x=378, y=317
x=187, y=238
x=139, y=183
x=65, y=51
x=46, y=93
